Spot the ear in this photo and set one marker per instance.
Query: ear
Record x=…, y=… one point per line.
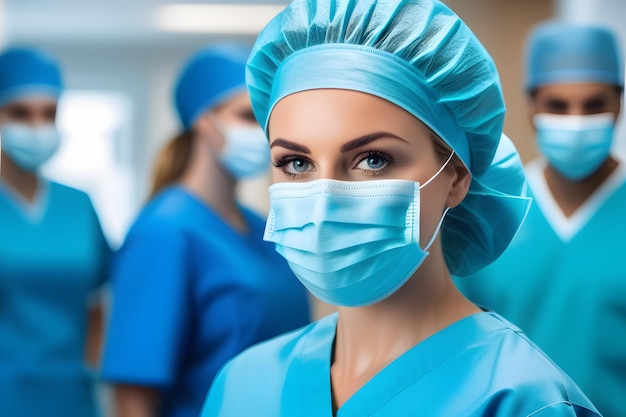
x=460, y=186
x=531, y=109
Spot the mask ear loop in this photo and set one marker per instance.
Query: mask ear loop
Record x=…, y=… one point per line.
x=432, y=239
x=443, y=216
x=440, y=169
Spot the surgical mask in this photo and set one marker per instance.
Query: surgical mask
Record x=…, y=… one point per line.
x=27, y=146
x=351, y=243
x=576, y=146
x=246, y=151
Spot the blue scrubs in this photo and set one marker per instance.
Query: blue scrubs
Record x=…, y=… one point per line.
x=478, y=366
x=563, y=282
x=52, y=256
x=189, y=294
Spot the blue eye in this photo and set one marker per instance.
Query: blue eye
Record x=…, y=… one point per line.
x=373, y=161
x=298, y=165
x=293, y=165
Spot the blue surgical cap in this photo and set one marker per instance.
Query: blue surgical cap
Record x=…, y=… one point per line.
x=418, y=55
x=561, y=52
x=210, y=77
x=26, y=71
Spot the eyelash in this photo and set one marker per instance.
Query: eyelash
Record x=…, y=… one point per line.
x=284, y=161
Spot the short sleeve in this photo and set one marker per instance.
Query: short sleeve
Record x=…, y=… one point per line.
x=149, y=319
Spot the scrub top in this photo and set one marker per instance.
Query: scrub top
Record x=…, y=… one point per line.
x=52, y=256
x=563, y=282
x=479, y=366
x=189, y=293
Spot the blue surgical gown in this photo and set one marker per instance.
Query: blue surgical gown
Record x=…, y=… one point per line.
x=479, y=366
x=52, y=256
x=563, y=282
x=189, y=293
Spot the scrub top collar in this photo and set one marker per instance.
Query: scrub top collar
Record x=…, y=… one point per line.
x=566, y=228
x=34, y=211
x=308, y=381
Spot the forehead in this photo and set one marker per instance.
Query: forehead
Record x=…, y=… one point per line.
x=33, y=102
x=340, y=113
x=576, y=92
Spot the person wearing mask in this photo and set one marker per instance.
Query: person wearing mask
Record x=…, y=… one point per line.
x=390, y=174
x=563, y=279
x=53, y=255
x=194, y=283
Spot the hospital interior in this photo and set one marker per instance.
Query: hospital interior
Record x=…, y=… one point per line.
x=119, y=62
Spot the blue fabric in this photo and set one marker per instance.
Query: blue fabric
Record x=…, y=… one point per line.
x=418, y=55
x=569, y=297
x=51, y=259
x=563, y=52
x=25, y=71
x=189, y=294
x=210, y=77
x=479, y=366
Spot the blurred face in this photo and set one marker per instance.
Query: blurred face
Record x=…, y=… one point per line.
x=352, y=136
x=578, y=99
x=32, y=111
x=29, y=137
x=235, y=112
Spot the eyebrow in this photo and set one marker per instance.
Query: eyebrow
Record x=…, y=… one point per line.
x=364, y=140
x=353, y=144
x=283, y=143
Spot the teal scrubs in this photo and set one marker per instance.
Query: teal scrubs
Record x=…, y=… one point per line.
x=189, y=293
x=479, y=366
x=563, y=282
x=52, y=257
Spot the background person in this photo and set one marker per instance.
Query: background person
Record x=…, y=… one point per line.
x=563, y=279
x=53, y=255
x=194, y=283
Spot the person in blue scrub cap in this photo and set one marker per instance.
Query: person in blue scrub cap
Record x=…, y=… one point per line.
x=53, y=255
x=563, y=278
x=194, y=283
x=390, y=173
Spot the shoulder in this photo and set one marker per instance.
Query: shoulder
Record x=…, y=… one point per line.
x=274, y=355
x=169, y=211
x=265, y=365
x=66, y=193
x=522, y=376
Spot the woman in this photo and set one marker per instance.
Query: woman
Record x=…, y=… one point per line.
x=384, y=120
x=53, y=255
x=194, y=283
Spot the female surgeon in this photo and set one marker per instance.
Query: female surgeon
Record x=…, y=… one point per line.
x=53, y=254
x=194, y=282
x=390, y=173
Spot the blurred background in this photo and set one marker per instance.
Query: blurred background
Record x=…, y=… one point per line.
x=120, y=58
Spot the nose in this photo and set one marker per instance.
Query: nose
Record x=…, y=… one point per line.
x=332, y=170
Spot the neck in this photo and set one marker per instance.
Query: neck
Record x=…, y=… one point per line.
x=25, y=183
x=210, y=182
x=570, y=194
x=369, y=338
